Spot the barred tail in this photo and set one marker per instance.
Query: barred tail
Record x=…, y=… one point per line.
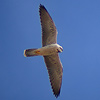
x=30, y=52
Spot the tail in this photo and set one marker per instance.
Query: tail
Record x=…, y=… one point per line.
x=31, y=52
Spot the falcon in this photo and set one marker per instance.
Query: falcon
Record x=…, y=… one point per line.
x=49, y=50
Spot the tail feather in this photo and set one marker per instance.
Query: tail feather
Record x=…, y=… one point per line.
x=30, y=52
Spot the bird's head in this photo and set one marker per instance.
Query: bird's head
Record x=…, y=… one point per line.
x=60, y=49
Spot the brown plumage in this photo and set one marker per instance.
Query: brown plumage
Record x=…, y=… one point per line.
x=49, y=50
x=49, y=36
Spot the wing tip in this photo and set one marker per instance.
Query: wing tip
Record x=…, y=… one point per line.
x=41, y=7
x=57, y=94
x=56, y=91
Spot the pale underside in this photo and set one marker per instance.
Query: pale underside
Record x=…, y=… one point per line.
x=53, y=63
x=49, y=49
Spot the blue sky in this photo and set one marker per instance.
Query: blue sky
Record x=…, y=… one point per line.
x=78, y=25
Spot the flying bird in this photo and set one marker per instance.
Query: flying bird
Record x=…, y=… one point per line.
x=49, y=50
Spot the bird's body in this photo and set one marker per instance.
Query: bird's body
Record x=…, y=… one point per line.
x=44, y=51
x=49, y=50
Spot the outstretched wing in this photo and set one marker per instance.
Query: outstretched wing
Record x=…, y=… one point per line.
x=55, y=71
x=49, y=32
